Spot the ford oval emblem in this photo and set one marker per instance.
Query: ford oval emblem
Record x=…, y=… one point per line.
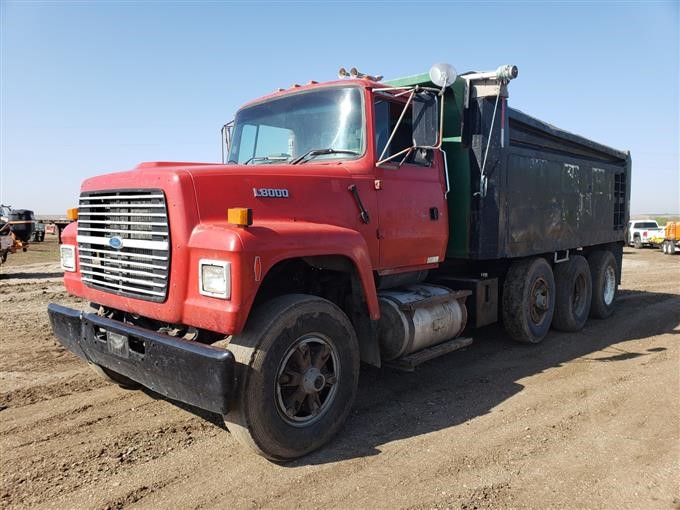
x=116, y=242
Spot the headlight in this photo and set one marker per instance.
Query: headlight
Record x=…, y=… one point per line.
x=214, y=278
x=67, y=254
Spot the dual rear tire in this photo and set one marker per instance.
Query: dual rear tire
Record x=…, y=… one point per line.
x=536, y=296
x=574, y=294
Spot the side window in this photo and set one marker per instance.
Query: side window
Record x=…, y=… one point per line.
x=386, y=115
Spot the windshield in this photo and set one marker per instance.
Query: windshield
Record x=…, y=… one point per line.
x=287, y=128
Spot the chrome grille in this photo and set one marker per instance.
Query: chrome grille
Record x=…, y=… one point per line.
x=137, y=220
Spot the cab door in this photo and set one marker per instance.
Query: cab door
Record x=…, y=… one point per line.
x=413, y=218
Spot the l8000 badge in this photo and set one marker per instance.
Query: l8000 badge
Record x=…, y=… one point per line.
x=270, y=192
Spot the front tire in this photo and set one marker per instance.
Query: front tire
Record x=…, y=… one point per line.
x=297, y=371
x=528, y=300
x=603, y=270
x=574, y=294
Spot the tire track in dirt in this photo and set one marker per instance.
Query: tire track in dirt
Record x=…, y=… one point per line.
x=98, y=446
x=62, y=386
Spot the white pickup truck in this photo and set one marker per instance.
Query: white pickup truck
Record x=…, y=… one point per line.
x=644, y=233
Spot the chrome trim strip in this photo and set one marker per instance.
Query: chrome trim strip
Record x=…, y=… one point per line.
x=123, y=270
x=120, y=286
x=126, y=279
x=127, y=243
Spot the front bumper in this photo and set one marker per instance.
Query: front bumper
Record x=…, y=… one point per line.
x=197, y=374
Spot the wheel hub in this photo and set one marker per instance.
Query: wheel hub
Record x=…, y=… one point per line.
x=313, y=381
x=540, y=300
x=609, y=285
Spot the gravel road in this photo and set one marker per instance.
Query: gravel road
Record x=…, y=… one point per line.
x=582, y=420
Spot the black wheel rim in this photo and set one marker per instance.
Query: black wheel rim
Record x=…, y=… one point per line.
x=539, y=298
x=578, y=300
x=307, y=380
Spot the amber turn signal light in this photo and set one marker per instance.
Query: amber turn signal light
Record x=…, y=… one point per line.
x=72, y=214
x=240, y=216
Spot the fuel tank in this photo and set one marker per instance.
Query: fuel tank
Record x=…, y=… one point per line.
x=418, y=316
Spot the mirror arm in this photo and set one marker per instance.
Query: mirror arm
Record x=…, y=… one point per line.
x=223, y=141
x=393, y=156
x=225, y=133
x=394, y=131
x=403, y=160
x=441, y=120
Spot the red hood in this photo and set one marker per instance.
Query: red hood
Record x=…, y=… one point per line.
x=205, y=191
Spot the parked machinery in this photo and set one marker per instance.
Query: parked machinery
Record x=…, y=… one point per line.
x=671, y=241
x=17, y=228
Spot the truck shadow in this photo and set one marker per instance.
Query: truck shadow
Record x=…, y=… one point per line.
x=451, y=390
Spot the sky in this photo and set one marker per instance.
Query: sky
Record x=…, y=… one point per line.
x=94, y=87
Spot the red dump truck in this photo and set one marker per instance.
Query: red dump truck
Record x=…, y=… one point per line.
x=350, y=221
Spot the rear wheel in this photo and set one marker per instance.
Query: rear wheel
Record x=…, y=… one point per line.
x=637, y=242
x=528, y=300
x=603, y=270
x=297, y=370
x=115, y=377
x=574, y=294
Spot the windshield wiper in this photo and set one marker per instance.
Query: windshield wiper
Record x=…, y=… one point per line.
x=318, y=152
x=267, y=158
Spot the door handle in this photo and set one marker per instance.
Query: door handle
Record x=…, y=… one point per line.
x=434, y=213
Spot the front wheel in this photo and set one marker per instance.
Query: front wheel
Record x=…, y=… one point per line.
x=297, y=370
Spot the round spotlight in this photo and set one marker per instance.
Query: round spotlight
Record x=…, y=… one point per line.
x=507, y=72
x=443, y=75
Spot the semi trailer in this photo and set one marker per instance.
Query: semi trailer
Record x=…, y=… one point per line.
x=349, y=221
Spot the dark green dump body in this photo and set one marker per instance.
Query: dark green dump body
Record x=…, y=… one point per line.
x=547, y=190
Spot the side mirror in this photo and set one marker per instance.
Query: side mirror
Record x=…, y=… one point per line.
x=425, y=120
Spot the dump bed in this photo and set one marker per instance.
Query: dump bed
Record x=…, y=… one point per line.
x=544, y=189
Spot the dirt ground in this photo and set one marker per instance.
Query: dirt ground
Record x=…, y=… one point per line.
x=588, y=420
